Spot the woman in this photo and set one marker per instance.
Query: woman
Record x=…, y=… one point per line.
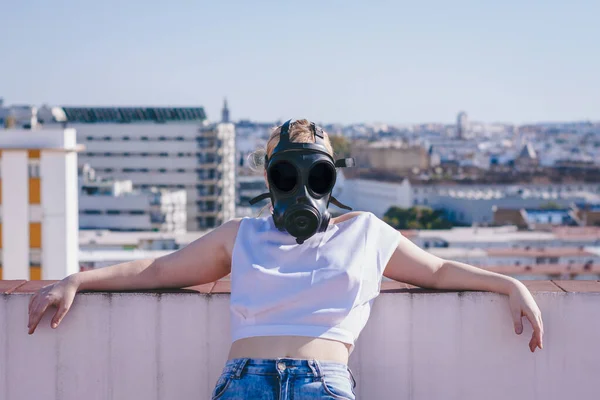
x=302, y=282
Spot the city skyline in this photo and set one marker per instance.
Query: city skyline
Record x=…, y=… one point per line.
x=336, y=62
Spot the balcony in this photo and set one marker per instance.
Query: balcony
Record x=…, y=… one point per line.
x=418, y=344
x=207, y=181
x=208, y=197
x=207, y=165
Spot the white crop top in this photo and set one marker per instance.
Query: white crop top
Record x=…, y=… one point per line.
x=321, y=288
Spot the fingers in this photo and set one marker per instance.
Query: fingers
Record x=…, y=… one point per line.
x=536, y=337
x=31, y=301
x=63, y=308
x=517, y=321
x=36, y=314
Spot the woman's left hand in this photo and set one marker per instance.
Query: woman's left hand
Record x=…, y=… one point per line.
x=522, y=304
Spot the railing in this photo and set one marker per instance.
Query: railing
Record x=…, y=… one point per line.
x=417, y=344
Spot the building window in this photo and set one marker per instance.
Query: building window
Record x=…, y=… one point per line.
x=107, y=138
x=180, y=138
x=108, y=170
x=144, y=154
x=128, y=170
x=180, y=154
x=92, y=212
x=108, y=154
x=144, y=138
x=137, y=212
x=90, y=138
x=126, y=154
x=125, y=138
x=113, y=212
x=180, y=170
x=163, y=154
x=162, y=170
x=162, y=138
x=34, y=169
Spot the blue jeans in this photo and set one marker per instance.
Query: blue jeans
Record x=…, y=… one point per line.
x=284, y=379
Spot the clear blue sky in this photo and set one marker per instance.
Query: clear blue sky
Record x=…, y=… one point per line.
x=328, y=60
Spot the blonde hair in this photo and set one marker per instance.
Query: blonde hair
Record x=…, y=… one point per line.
x=300, y=132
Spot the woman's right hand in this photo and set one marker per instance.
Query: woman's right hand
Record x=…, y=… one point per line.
x=60, y=295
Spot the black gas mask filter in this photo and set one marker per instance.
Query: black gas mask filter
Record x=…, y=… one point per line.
x=301, y=177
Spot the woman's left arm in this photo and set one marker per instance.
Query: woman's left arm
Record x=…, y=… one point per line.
x=415, y=266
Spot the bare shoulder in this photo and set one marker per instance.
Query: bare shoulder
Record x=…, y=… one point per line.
x=349, y=215
x=228, y=233
x=231, y=226
x=223, y=236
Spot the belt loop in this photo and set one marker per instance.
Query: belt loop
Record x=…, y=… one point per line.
x=315, y=366
x=352, y=376
x=239, y=368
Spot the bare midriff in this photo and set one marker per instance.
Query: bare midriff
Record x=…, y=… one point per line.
x=297, y=347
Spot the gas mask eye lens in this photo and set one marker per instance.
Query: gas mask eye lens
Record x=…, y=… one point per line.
x=320, y=178
x=301, y=221
x=283, y=176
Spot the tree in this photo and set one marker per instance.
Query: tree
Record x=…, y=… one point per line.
x=341, y=145
x=551, y=205
x=416, y=218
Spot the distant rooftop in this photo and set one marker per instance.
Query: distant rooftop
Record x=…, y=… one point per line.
x=541, y=252
x=113, y=238
x=479, y=234
x=94, y=115
x=509, y=234
x=528, y=152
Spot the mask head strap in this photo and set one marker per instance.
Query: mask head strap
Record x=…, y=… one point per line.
x=345, y=163
x=285, y=144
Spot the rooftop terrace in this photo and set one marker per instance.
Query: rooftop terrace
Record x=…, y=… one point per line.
x=418, y=344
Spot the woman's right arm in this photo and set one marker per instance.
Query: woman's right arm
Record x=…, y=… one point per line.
x=205, y=260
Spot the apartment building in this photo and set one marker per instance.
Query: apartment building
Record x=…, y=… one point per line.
x=39, y=203
x=114, y=205
x=171, y=148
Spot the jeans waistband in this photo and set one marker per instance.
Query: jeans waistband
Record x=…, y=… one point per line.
x=237, y=367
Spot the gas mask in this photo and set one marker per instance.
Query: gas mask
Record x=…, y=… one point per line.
x=301, y=177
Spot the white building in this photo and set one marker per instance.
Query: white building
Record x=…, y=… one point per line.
x=39, y=203
x=215, y=196
x=375, y=196
x=505, y=237
x=115, y=205
x=163, y=147
x=100, y=248
x=467, y=203
x=462, y=124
